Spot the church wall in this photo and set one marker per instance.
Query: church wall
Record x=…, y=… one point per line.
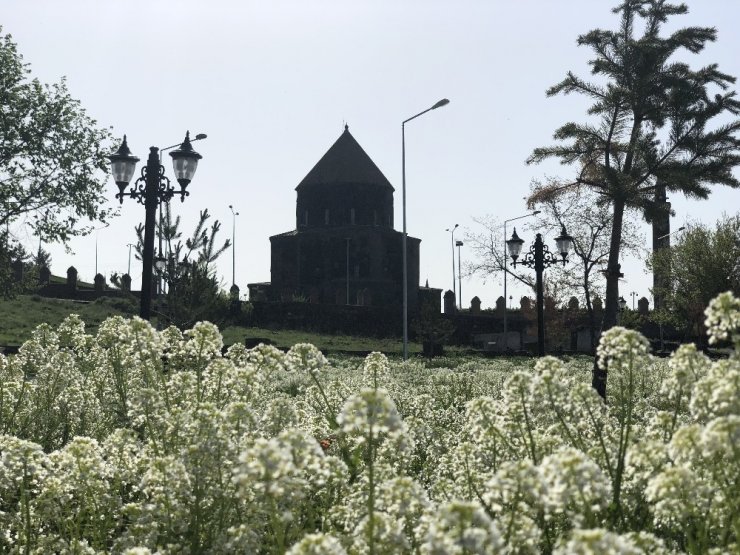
x=372, y=205
x=313, y=264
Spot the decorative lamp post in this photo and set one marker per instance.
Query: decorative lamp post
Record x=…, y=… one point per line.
x=459, y=244
x=451, y=231
x=404, y=263
x=622, y=305
x=539, y=257
x=506, y=330
x=150, y=189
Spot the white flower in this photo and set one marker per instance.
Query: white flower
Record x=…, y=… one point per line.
x=597, y=542
x=304, y=357
x=317, y=544
x=458, y=528
x=370, y=411
x=723, y=319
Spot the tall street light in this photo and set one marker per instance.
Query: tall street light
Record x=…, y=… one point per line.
x=506, y=330
x=633, y=294
x=539, y=257
x=656, y=296
x=150, y=189
x=233, y=243
x=129, y=245
x=459, y=244
x=439, y=104
x=671, y=233
x=96, y=245
x=451, y=231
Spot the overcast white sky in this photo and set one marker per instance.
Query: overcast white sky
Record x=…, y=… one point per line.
x=273, y=82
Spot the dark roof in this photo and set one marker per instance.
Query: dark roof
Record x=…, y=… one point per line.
x=345, y=162
x=285, y=234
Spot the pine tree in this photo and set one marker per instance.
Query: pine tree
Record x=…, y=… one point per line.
x=653, y=120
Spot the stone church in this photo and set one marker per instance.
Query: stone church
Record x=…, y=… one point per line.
x=343, y=249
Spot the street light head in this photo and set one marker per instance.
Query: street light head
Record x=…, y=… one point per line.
x=622, y=303
x=185, y=162
x=441, y=103
x=536, y=212
x=458, y=243
x=200, y=137
x=514, y=245
x=564, y=243
x=123, y=165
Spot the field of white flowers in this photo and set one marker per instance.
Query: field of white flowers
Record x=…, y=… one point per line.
x=137, y=441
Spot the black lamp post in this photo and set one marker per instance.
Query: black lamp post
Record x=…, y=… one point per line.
x=539, y=257
x=150, y=189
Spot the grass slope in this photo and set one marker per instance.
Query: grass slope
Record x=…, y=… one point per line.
x=20, y=316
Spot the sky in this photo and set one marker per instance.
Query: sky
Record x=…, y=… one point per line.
x=272, y=84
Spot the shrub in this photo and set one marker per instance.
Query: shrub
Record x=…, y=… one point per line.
x=140, y=441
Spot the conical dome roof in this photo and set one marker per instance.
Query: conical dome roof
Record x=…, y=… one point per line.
x=345, y=163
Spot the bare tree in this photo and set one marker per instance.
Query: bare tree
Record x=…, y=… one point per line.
x=588, y=220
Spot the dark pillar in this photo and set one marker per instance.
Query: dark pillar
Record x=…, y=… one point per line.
x=72, y=280
x=661, y=228
x=99, y=283
x=125, y=282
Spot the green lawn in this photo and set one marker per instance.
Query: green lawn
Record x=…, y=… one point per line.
x=20, y=316
x=288, y=338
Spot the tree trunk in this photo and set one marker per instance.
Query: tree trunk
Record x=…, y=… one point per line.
x=591, y=316
x=611, y=308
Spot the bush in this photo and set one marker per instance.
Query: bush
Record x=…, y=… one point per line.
x=159, y=441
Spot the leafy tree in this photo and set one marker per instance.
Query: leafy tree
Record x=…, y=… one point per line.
x=194, y=292
x=42, y=258
x=650, y=123
x=702, y=264
x=201, y=246
x=10, y=252
x=52, y=154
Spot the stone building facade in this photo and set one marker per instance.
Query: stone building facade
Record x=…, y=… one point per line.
x=344, y=249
